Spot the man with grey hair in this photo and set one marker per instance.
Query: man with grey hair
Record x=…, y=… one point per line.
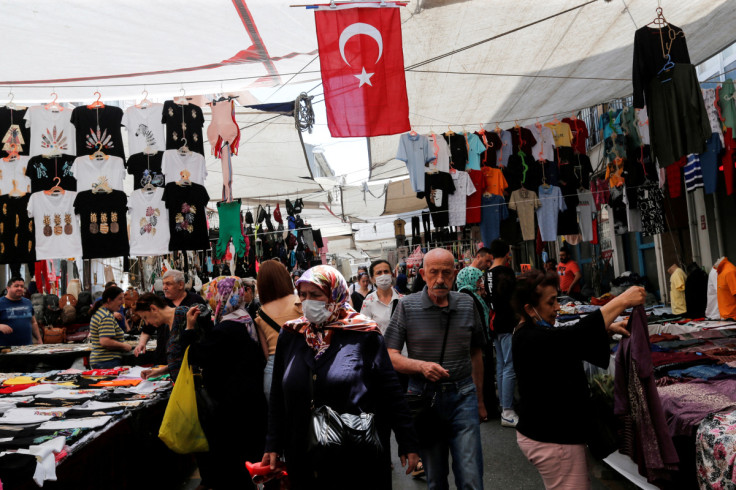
x=444, y=339
x=175, y=295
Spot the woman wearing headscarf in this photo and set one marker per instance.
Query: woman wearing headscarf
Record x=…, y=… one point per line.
x=470, y=281
x=343, y=356
x=232, y=362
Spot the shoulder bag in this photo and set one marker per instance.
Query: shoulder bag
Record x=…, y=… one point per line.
x=420, y=404
x=271, y=323
x=332, y=433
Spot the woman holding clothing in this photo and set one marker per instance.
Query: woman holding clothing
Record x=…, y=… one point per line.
x=279, y=305
x=340, y=356
x=553, y=388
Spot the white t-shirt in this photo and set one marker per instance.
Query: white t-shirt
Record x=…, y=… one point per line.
x=442, y=162
x=14, y=171
x=585, y=209
x=149, y=223
x=175, y=166
x=457, y=200
x=545, y=147
x=76, y=423
x=51, y=131
x=90, y=172
x=145, y=129
x=379, y=312
x=56, y=226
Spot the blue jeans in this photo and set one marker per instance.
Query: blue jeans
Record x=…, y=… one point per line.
x=505, y=375
x=107, y=364
x=458, y=432
x=268, y=377
x=493, y=211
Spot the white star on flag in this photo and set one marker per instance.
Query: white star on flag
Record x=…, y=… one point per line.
x=364, y=78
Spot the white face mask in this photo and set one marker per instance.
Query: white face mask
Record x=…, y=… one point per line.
x=384, y=281
x=315, y=311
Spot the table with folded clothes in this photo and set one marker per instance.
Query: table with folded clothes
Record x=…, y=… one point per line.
x=59, y=356
x=83, y=428
x=693, y=365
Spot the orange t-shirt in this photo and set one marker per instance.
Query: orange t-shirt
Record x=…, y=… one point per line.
x=726, y=289
x=495, y=181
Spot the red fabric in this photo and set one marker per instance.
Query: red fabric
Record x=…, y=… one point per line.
x=674, y=177
x=105, y=372
x=567, y=273
x=662, y=358
x=662, y=336
x=594, y=241
x=14, y=388
x=727, y=159
x=42, y=277
x=473, y=202
x=375, y=104
x=539, y=248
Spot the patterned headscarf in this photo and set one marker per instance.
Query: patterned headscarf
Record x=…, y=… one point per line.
x=467, y=280
x=226, y=298
x=343, y=316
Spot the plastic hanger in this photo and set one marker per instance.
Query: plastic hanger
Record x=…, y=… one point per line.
x=555, y=120
x=449, y=132
x=659, y=20
x=102, y=187
x=99, y=154
x=182, y=99
x=56, y=189
x=668, y=65
x=498, y=128
x=12, y=153
x=413, y=131
x=144, y=103
x=482, y=129
x=98, y=104
x=53, y=105
x=183, y=149
x=10, y=105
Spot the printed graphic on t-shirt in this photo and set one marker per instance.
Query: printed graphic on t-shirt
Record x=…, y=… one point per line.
x=152, y=177
x=97, y=140
x=57, y=229
x=54, y=140
x=40, y=170
x=148, y=135
x=185, y=219
x=561, y=269
x=149, y=222
x=103, y=223
x=20, y=312
x=13, y=136
x=436, y=197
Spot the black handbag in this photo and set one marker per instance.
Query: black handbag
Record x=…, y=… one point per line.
x=420, y=404
x=332, y=433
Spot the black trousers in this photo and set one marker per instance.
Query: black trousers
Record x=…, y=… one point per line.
x=426, y=225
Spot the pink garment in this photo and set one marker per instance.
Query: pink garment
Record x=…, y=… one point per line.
x=562, y=466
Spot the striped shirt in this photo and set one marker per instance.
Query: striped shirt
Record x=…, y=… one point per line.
x=693, y=173
x=421, y=324
x=103, y=324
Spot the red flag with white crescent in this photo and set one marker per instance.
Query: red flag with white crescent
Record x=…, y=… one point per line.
x=362, y=63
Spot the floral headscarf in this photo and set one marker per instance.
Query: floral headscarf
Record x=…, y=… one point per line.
x=467, y=280
x=226, y=298
x=343, y=316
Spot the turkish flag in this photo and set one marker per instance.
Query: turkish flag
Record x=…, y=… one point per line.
x=362, y=63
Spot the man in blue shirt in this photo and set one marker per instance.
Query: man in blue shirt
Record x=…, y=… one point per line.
x=17, y=324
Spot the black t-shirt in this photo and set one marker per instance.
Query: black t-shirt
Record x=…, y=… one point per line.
x=13, y=130
x=524, y=140
x=458, y=150
x=187, y=220
x=101, y=125
x=42, y=171
x=16, y=231
x=146, y=169
x=183, y=121
x=437, y=188
x=103, y=224
x=500, y=282
x=493, y=142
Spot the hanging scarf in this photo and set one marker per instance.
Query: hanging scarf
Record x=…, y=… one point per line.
x=342, y=317
x=467, y=280
x=226, y=298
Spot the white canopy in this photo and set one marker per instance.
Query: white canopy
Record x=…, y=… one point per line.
x=461, y=70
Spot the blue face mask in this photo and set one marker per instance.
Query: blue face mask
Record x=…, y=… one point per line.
x=540, y=322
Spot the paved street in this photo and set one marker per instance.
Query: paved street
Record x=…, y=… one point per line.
x=505, y=467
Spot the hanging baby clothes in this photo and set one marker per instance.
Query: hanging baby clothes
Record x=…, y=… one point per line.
x=550, y=198
x=225, y=133
x=229, y=214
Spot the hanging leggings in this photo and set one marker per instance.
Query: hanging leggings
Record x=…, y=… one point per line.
x=42, y=277
x=227, y=175
x=415, y=231
x=426, y=226
x=229, y=213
